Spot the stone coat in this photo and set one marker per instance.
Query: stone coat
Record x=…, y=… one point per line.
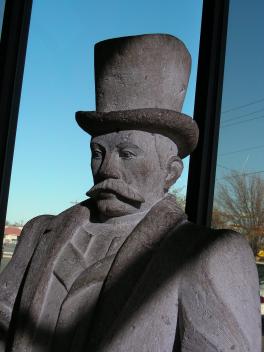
x=172, y=286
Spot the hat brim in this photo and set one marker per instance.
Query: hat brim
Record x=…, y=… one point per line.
x=179, y=127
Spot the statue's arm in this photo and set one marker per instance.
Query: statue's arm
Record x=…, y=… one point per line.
x=219, y=305
x=12, y=276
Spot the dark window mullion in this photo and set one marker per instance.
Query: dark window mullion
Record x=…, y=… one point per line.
x=12, y=58
x=201, y=179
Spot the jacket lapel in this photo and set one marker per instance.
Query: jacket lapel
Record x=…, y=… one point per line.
x=59, y=235
x=13, y=275
x=78, y=309
x=131, y=262
x=71, y=261
x=32, y=312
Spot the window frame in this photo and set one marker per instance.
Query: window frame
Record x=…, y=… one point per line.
x=207, y=110
x=201, y=178
x=13, y=45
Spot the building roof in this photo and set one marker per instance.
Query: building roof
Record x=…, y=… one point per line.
x=13, y=230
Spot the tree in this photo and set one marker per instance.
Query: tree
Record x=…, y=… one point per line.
x=239, y=205
x=179, y=197
x=19, y=223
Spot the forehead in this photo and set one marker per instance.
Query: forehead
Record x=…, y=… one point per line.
x=143, y=140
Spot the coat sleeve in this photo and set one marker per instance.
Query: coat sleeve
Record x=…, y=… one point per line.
x=219, y=305
x=12, y=276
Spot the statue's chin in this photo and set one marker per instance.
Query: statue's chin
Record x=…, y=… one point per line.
x=113, y=207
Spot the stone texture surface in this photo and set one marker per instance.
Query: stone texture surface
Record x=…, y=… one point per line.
x=171, y=284
x=141, y=82
x=144, y=71
x=125, y=271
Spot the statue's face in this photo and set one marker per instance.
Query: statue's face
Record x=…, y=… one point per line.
x=128, y=173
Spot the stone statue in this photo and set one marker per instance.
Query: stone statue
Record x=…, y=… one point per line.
x=124, y=271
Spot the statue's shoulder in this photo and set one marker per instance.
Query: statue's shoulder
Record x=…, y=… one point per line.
x=225, y=242
x=230, y=251
x=218, y=253
x=34, y=228
x=213, y=241
x=211, y=251
x=219, y=278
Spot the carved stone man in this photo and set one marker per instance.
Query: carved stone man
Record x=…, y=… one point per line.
x=125, y=271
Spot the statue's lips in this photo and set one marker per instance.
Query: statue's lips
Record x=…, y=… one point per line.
x=117, y=187
x=106, y=194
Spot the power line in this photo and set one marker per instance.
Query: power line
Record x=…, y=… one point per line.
x=241, y=174
x=238, y=123
x=241, y=116
x=253, y=173
x=242, y=106
x=225, y=167
x=242, y=150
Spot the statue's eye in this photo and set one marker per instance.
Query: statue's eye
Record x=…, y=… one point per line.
x=97, y=154
x=126, y=154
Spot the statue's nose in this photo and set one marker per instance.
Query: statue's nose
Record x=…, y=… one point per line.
x=110, y=167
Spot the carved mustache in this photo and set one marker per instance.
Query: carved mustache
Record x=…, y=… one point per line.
x=118, y=187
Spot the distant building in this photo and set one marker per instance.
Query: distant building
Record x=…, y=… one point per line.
x=12, y=234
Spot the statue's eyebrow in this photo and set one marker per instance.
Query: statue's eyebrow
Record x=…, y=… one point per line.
x=97, y=145
x=124, y=145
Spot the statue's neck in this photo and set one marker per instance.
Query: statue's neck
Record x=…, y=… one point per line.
x=130, y=218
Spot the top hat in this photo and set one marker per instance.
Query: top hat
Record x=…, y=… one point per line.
x=141, y=83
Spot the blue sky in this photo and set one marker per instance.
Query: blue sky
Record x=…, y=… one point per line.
x=241, y=142
x=51, y=167
x=2, y=7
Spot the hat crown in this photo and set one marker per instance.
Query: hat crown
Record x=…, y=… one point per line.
x=138, y=72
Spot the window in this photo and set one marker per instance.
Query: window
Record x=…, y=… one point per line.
x=2, y=10
x=51, y=168
x=239, y=188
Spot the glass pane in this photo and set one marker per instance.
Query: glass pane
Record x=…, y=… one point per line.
x=51, y=168
x=2, y=10
x=239, y=190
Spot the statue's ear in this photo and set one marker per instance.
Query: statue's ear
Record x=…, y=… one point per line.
x=174, y=170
